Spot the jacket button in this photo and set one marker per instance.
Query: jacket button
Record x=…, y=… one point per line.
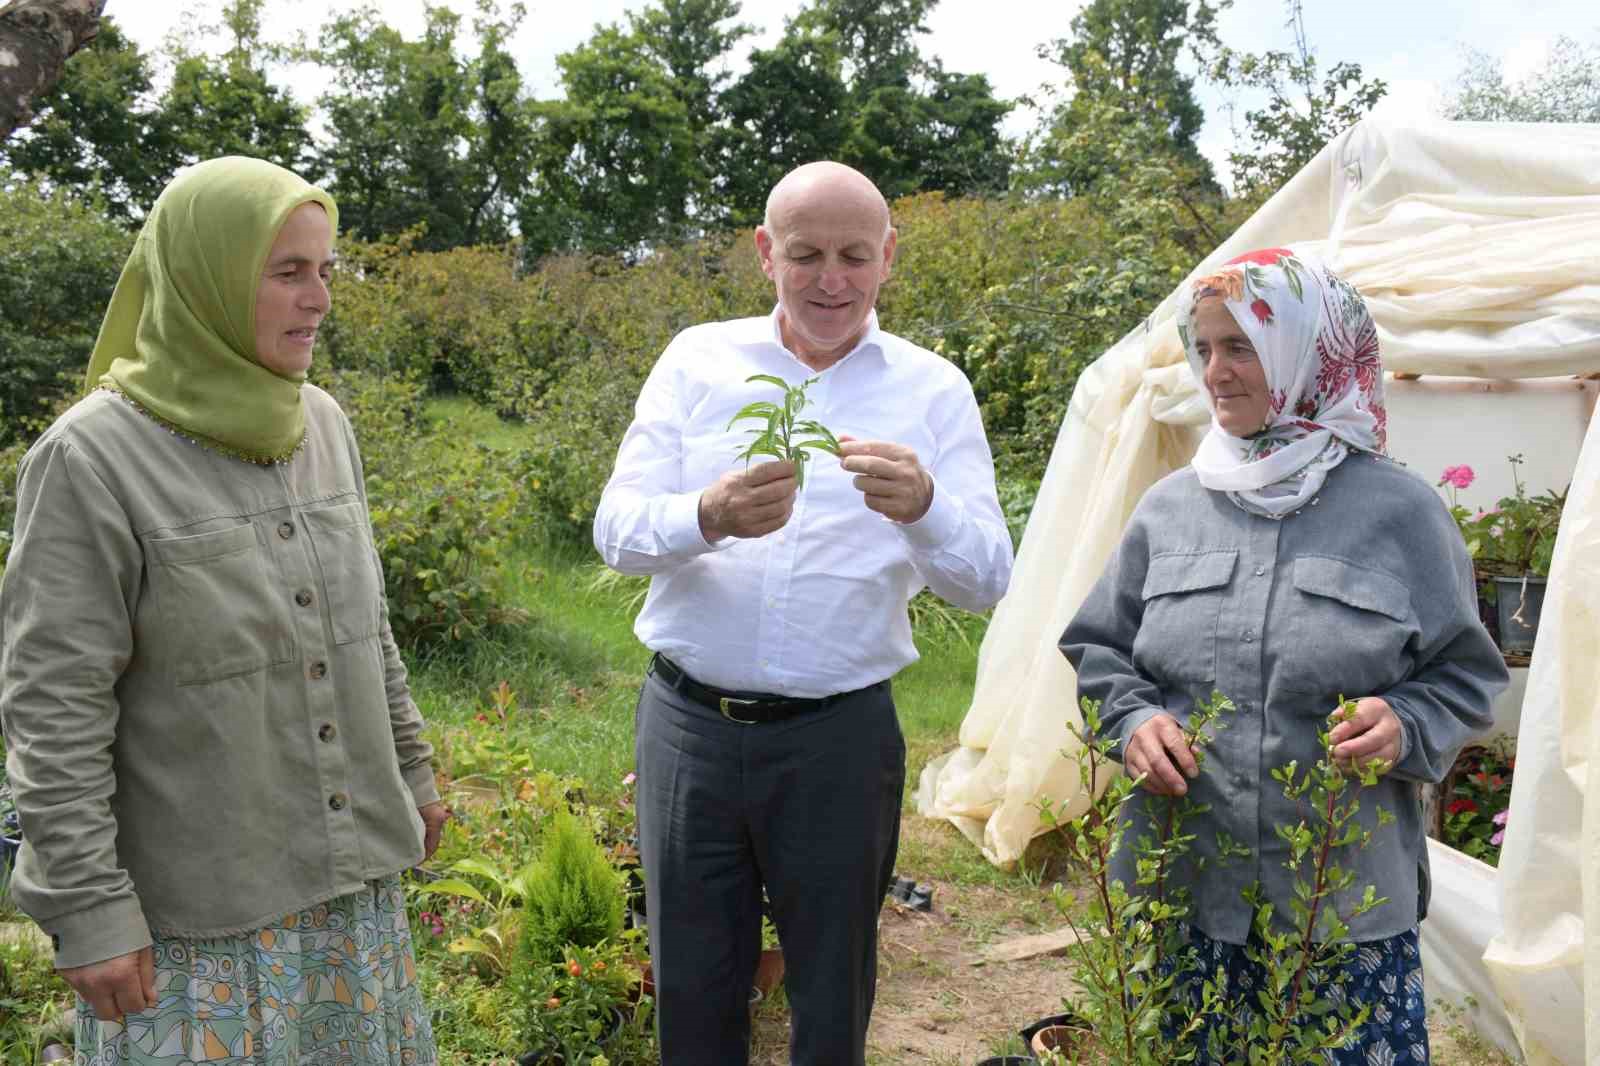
x=285, y=530
x=337, y=801
x=303, y=597
x=327, y=732
x=318, y=671
x=1249, y=636
x=1260, y=570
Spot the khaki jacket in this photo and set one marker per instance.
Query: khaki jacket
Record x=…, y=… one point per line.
x=206, y=718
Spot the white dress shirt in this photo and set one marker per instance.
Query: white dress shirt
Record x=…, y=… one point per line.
x=819, y=606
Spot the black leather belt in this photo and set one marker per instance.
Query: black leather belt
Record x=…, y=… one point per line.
x=746, y=708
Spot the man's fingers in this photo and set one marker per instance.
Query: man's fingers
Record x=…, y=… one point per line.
x=762, y=473
x=772, y=491
x=1162, y=773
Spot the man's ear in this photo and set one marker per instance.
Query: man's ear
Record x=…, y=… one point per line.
x=764, y=250
x=890, y=243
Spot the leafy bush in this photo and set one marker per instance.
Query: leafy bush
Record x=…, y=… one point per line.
x=60, y=261
x=574, y=897
x=444, y=512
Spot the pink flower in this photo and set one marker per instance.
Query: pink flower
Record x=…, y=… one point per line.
x=1497, y=838
x=627, y=782
x=1459, y=476
x=1263, y=312
x=1500, y=819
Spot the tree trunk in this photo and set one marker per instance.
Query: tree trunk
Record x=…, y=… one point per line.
x=36, y=39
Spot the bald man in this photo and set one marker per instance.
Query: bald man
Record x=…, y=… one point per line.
x=767, y=746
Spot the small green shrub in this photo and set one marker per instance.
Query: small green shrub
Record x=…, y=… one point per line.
x=574, y=895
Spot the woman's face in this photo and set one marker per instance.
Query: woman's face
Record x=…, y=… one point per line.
x=293, y=294
x=1234, y=375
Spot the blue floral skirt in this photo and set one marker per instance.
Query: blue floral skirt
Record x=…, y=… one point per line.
x=1383, y=974
x=333, y=985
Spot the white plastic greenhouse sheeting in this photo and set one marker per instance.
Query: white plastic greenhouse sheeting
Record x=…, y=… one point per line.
x=1476, y=248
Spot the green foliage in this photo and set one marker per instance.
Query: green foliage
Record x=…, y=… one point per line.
x=60, y=260
x=1566, y=88
x=573, y=898
x=1515, y=537
x=99, y=133
x=1136, y=960
x=419, y=136
x=1128, y=973
x=573, y=1006
x=443, y=512
x=781, y=425
x=1302, y=114
x=1477, y=799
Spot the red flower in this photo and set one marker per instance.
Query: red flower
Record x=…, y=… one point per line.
x=1262, y=256
x=574, y=969
x=1459, y=805
x=1263, y=312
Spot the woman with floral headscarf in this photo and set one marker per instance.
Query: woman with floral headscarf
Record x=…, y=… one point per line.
x=1290, y=564
x=212, y=746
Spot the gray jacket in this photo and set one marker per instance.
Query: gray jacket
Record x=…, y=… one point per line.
x=1367, y=591
x=207, y=721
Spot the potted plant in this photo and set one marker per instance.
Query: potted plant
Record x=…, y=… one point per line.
x=1511, y=545
x=574, y=1008
x=1476, y=797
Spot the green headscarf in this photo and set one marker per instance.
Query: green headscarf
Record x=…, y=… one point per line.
x=179, y=337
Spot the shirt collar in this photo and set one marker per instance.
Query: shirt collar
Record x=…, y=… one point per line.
x=871, y=338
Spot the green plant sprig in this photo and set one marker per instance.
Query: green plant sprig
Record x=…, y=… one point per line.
x=781, y=424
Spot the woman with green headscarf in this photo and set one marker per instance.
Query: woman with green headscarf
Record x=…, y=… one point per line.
x=214, y=752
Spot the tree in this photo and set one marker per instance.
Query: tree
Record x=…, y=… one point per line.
x=1122, y=61
x=687, y=37
x=420, y=136
x=789, y=108
x=617, y=160
x=37, y=37
x=1567, y=89
x=226, y=105
x=1302, y=114
x=98, y=132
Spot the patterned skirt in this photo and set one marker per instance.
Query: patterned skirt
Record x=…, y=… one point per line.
x=1383, y=974
x=333, y=985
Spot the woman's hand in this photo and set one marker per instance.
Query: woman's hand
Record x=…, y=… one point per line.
x=116, y=987
x=1158, y=749
x=1372, y=732
x=434, y=815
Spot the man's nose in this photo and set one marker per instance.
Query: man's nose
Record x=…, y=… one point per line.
x=832, y=279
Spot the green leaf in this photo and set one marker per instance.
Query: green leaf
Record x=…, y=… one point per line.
x=452, y=886
x=769, y=379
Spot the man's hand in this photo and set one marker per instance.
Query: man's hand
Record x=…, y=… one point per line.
x=1372, y=733
x=1159, y=750
x=749, y=502
x=116, y=987
x=889, y=476
x=434, y=815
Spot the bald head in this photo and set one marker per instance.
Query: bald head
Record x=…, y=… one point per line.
x=825, y=187
x=827, y=246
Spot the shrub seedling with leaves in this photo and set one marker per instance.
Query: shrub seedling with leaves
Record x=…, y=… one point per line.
x=781, y=425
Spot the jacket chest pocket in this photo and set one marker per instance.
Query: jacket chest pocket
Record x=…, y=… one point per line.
x=1183, y=594
x=215, y=597
x=1350, y=631
x=342, y=541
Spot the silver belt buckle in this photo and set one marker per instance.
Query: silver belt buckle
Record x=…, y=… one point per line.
x=725, y=701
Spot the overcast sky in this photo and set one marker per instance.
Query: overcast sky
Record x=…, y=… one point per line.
x=1414, y=45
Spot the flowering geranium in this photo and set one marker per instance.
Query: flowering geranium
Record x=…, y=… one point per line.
x=1475, y=812
x=1515, y=537
x=1460, y=477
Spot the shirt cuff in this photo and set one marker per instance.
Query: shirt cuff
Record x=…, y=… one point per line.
x=680, y=526
x=105, y=931
x=424, y=789
x=936, y=528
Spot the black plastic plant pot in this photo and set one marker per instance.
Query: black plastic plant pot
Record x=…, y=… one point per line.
x=1009, y=1060
x=1519, y=602
x=554, y=1058
x=1068, y=1019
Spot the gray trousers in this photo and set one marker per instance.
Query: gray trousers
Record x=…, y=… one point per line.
x=808, y=807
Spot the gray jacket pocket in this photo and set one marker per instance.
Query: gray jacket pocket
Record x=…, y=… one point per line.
x=1183, y=594
x=215, y=597
x=342, y=539
x=1350, y=631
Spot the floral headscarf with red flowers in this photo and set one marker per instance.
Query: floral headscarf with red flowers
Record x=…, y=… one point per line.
x=1319, y=350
